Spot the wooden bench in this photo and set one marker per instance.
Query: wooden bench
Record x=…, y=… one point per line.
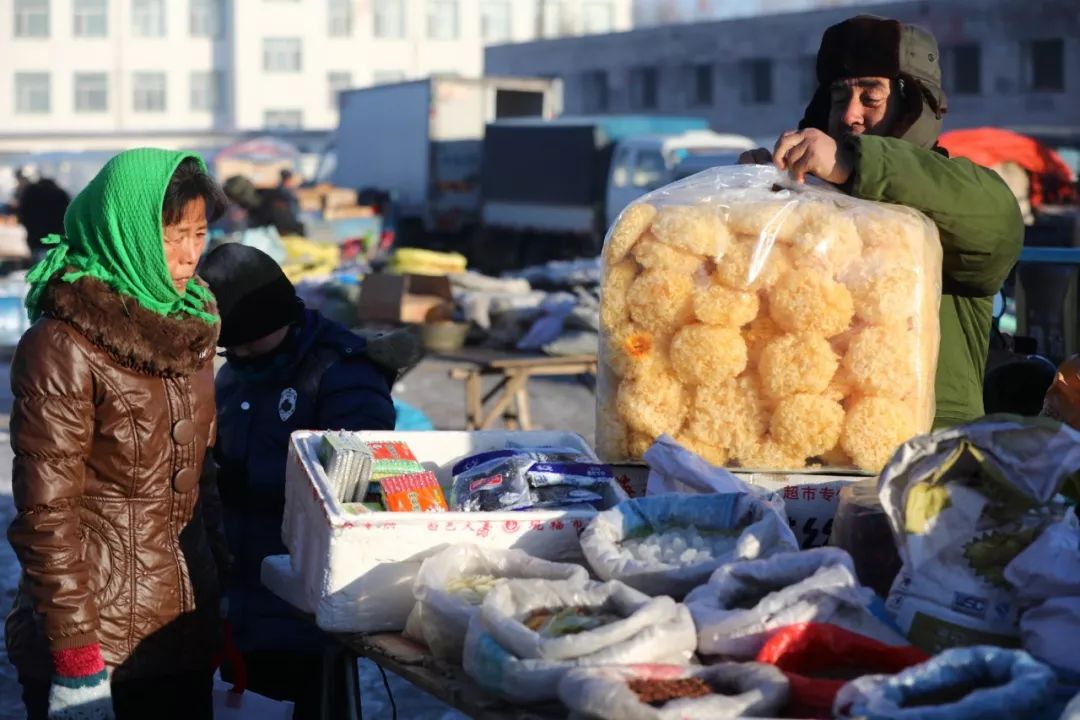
x=509, y=398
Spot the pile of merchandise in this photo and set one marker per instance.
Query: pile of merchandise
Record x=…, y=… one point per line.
x=747, y=625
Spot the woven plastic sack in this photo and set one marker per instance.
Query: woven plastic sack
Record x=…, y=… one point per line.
x=749, y=526
x=820, y=659
x=766, y=324
x=974, y=683
x=1047, y=580
x=745, y=690
x=963, y=503
x=507, y=658
x=745, y=603
x=444, y=598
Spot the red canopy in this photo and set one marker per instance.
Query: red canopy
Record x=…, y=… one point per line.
x=1052, y=180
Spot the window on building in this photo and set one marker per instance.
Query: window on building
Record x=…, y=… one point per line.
x=649, y=169
x=495, y=21
x=386, y=77
x=702, y=87
x=148, y=18
x=340, y=18
x=389, y=19
x=283, y=119
x=31, y=92
x=31, y=18
x=91, y=92
x=597, y=18
x=757, y=82
x=966, y=61
x=594, y=91
x=442, y=19
x=1046, y=65
x=206, y=94
x=552, y=19
x=282, y=55
x=643, y=86
x=337, y=81
x=90, y=18
x=205, y=19
x=149, y=92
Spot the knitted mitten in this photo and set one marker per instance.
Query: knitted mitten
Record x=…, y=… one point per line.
x=80, y=685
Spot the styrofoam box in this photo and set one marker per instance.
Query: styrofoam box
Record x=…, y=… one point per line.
x=357, y=570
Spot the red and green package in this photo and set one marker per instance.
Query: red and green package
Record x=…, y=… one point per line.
x=413, y=492
x=392, y=458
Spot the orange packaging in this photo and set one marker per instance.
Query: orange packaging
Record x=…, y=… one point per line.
x=414, y=492
x=1063, y=398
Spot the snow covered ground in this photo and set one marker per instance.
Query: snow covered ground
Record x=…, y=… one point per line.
x=556, y=404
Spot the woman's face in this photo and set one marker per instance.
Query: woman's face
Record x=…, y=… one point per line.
x=185, y=241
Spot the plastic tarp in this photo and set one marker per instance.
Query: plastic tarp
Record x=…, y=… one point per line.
x=1051, y=178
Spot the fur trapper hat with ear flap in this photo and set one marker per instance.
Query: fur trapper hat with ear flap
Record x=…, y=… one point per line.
x=871, y=46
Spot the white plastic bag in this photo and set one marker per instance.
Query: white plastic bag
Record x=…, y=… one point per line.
x=749, y=526
x=507, y=658
x=749, y=690
x=443, y=615
x=963, y=503
x=677, y=469
x=1047, y=580
x=766, y=324
x=744, y=603
x=229, y=705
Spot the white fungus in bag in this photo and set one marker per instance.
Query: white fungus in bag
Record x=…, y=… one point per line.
x=767, y=327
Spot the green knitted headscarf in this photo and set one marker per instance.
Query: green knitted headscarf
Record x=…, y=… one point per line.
x=113, y=232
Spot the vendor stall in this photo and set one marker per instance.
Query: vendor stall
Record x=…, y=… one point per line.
x=674, y=572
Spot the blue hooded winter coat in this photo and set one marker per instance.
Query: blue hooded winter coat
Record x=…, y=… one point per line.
x=321, y=379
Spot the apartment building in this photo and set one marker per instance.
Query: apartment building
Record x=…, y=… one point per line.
x=92, y=72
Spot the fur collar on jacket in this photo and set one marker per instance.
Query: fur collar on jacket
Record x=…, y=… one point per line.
x=133, y=336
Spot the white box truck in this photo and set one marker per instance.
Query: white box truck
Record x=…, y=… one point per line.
x=422, y=141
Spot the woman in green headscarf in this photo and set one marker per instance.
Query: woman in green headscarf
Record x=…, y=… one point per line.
x=117, y=528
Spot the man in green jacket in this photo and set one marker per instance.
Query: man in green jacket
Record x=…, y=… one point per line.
x=872, y=129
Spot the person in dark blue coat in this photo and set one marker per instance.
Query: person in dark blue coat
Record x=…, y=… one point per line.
x=287, y=368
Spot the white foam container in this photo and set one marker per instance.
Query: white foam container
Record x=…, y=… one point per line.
x=356, y=570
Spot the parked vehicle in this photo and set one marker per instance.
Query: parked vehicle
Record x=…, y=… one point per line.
x=421, y=142
x=546, y=184
x=644, y=163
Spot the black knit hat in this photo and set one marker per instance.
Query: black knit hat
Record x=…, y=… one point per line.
x=868, y=45
x=253, y=295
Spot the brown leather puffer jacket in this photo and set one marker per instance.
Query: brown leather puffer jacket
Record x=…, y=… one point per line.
x=114, y=411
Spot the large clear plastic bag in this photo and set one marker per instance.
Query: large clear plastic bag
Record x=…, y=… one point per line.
x=743, y=690
x=504, y=655
x=451, y=586
x=670, y=544
x=745, y=603
x=767, y=325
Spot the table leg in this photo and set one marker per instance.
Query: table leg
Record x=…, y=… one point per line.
x=473, y=404
x=521, y=401
x=515, y=383
x=340, y=684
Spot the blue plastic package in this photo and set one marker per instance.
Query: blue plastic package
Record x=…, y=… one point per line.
x=972, y=683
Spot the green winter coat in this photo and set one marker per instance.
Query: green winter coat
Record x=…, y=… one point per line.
x=981, y=232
